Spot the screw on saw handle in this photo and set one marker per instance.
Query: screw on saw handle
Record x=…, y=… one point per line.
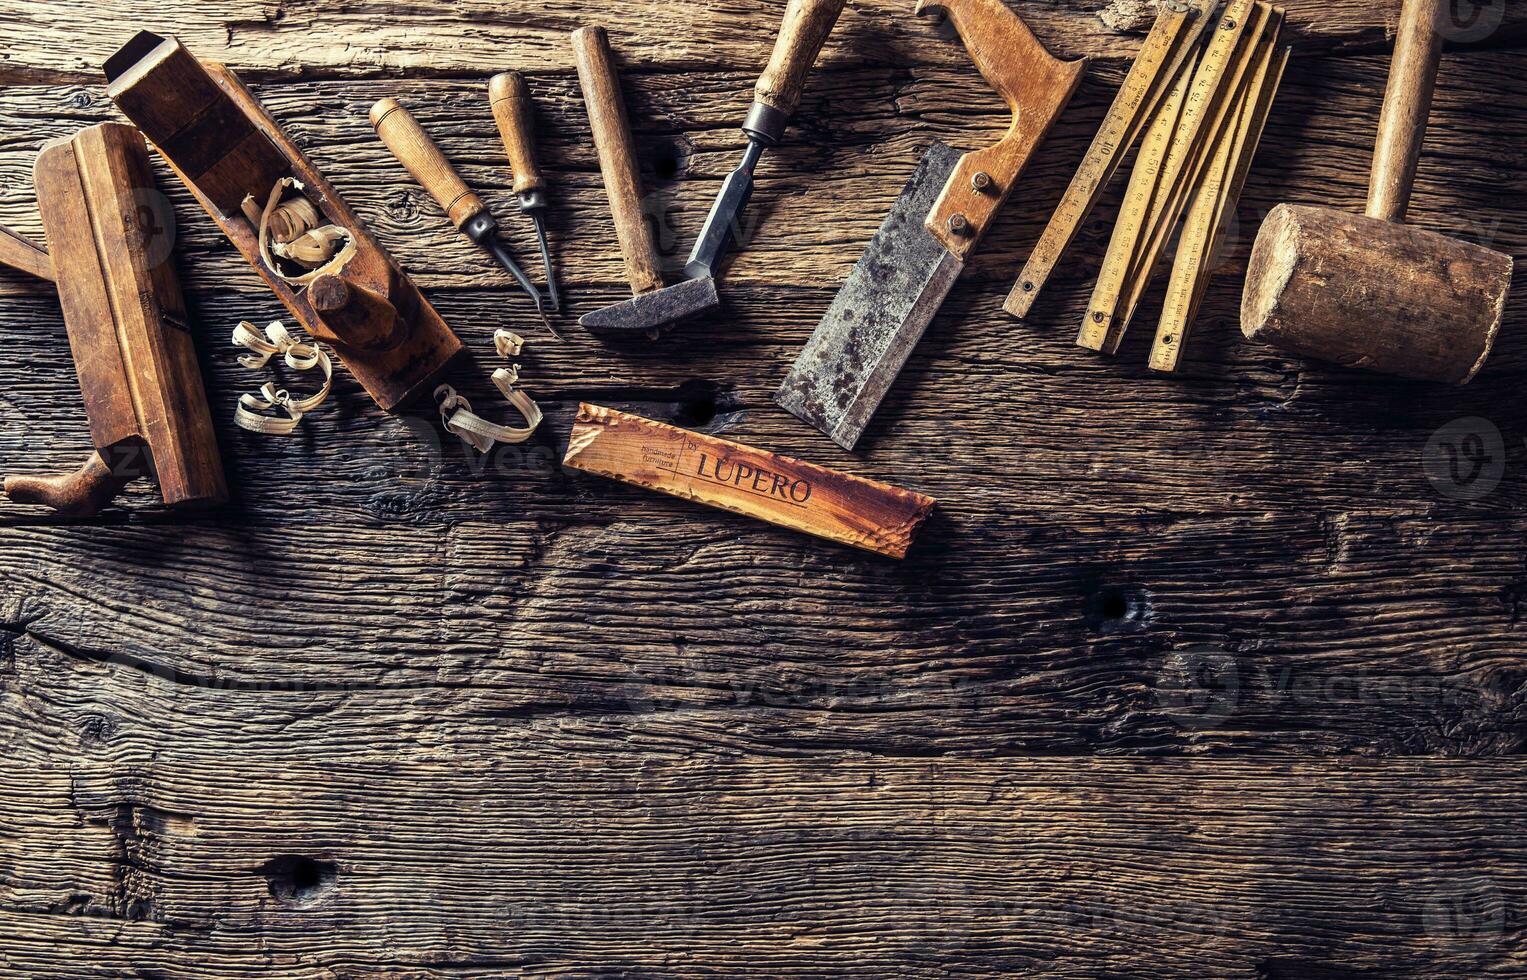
x=801, y=36
x=1036, y=86
x=1407, y=105
x=510, y=98
x=418, y=153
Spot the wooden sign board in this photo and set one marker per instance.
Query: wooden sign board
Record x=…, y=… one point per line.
x=719, y=473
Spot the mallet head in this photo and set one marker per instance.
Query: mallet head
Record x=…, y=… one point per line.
x=1372, y=294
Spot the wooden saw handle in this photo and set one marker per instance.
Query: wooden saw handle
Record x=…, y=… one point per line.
x=801, y=36
x=510, y=98
x=617, y=157
x=421, y=157
x=1407, y=105
x=1036, y=85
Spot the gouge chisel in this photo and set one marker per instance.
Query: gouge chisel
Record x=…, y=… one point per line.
x=510, y=99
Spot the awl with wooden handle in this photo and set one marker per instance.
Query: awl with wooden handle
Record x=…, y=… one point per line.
x=806, y=25
x=623, y=186
x=421, y=157
x=510, y=98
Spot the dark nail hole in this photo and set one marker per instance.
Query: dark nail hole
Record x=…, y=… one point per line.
x=695, y=414
x=298, y=882
x=1113, y=608
x=666, y=166
x=694, y=404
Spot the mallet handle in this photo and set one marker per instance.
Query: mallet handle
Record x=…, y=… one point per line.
x=617, y=157
x=1407, y=104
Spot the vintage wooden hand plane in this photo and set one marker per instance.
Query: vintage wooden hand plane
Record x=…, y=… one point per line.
x=289, y=223
x=110, y=257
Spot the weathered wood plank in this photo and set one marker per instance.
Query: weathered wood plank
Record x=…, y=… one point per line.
x=148, y=826
x=1354, y=632
x=333, y=38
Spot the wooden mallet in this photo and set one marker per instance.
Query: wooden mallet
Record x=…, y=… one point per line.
x=1369, y=291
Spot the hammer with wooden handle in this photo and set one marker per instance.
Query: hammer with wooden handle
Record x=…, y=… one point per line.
x=1367, y=291
x=623, y=186
x=804, y=30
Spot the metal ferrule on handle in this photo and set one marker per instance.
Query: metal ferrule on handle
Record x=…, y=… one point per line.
x=765, y=124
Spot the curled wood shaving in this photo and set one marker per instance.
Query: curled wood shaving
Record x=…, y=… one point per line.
x=458, y=417
x=299, y=357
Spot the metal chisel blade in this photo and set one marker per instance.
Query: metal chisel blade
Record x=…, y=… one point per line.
x=879, y=315
x=720, y=228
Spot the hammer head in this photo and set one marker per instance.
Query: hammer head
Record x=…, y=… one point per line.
x=649, y=311
x=1371, y=294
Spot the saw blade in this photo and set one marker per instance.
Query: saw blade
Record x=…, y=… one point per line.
x=879, y=315
x=1162, y=58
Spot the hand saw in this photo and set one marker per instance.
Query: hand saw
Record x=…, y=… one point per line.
x=847, y=366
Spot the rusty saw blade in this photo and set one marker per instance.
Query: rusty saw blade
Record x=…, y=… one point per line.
x=879, y=315
x=940, y=218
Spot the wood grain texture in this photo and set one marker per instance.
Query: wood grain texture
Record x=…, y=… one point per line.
x=549, y=847
x=1212, y=675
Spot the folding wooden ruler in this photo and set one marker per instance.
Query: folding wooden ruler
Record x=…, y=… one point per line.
x=1205, y=226
x=1164, y=56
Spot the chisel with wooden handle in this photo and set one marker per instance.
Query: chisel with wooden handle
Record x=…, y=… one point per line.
x=805, y=28
x=421, y=157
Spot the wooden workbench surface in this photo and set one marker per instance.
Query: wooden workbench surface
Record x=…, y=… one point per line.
x=1213, y=675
